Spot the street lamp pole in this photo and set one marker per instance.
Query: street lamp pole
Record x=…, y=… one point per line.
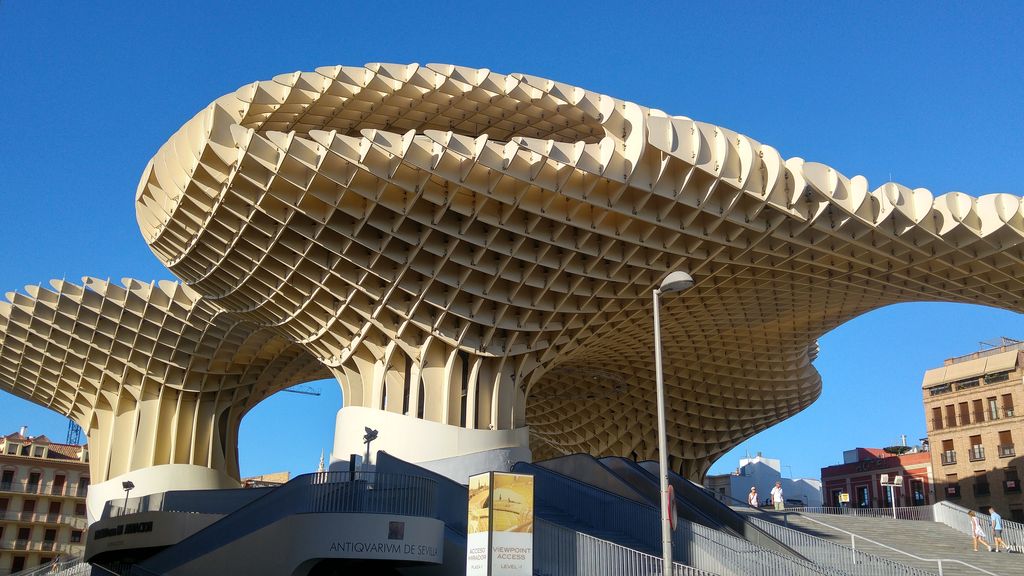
x=674, y=282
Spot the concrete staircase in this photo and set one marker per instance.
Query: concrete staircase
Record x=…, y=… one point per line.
x=921, y=538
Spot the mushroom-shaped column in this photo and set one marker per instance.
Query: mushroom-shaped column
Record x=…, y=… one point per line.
x=157, y=378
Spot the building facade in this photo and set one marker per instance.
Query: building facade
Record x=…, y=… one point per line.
x=42, y=500
x=973, y=426
x=762, y=473
x=860, y=476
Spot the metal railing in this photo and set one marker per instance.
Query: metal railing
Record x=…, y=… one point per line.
x=1006, y=450
x=939, y=562
x=560, y=551
x=949, y=457
x=34, y=546
x=956, y=518
x=44, y=518
x=714, y=551
x=832, y=555
x=923, y=513
x=976, y=452
x=43, y=488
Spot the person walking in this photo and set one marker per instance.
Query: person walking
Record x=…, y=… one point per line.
x=777, y=498
x=752, y=497
x=997, y=529
x=977, y=532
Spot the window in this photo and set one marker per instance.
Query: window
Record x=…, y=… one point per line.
x=997, y=377
x=57, y=488
x=969, y=383
x=6, y=480
x=952, y=486
x=1006, y=444
x=80, y=509
x=49, y=537
x=76, y=536
x=28, y=508
x=948, y=454
x=979, y=411
x=977, y=451
x=1008, y=405
x=965, y=413
x=937, y=418
x=53, y=514
x=83, y=486
x=1011, y=483
x=33, y=482
x=993, y=408
x=3, y=507
x=12, y=448
x=950, y=416
x=981, y=487
x=39, y=451
x=17, y=564
x=940, y=389
x=917, y=491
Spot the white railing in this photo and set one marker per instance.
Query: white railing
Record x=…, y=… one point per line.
x=956, y=517
x=715, y=551
x=832, y=555
x=939, y=562
x=923, y=513
x=560, y=551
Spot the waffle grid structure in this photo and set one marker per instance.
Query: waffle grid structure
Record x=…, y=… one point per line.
x=479, y=250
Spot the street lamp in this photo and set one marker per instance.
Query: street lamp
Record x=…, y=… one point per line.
x=128, y=487
x=675, y=282
x=370, y=436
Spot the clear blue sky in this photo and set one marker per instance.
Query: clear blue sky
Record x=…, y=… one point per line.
x=928, y=95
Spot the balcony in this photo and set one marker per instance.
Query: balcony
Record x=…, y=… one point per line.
x=34, y=546
x=1008, y=410
x=42, y=489
x=977, y=452
x=43, y=518
x=981, y=489
x=953, y=491
x=1006, y=450
x=1011, y=486
x=949, y=457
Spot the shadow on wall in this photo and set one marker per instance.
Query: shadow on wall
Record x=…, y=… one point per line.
x=999, y=486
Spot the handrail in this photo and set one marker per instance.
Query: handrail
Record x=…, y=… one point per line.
x=561, y=551
x=886, y=546
x=832, y=554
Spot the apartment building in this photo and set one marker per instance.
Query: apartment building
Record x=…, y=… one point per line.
x=42, y=500
x=973, y=426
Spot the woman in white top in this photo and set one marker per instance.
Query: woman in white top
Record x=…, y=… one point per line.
x=752, y=497
x=977, y=533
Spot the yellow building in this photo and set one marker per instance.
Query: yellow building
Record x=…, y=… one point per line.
x=972, y=425
x=42, y=500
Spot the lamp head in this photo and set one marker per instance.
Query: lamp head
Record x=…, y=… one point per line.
x=676, y=282
x=127, y=485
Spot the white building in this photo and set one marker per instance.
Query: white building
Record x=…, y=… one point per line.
x=762, y=473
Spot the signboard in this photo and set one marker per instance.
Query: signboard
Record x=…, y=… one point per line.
x=499, y=539
x=844, y=497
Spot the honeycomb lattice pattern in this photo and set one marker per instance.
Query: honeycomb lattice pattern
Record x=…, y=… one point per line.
x=151, y=363
x=479, y=250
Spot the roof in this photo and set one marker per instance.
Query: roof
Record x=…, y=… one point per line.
x=971, y=368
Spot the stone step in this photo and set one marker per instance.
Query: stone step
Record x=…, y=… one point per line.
x=921, y=538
